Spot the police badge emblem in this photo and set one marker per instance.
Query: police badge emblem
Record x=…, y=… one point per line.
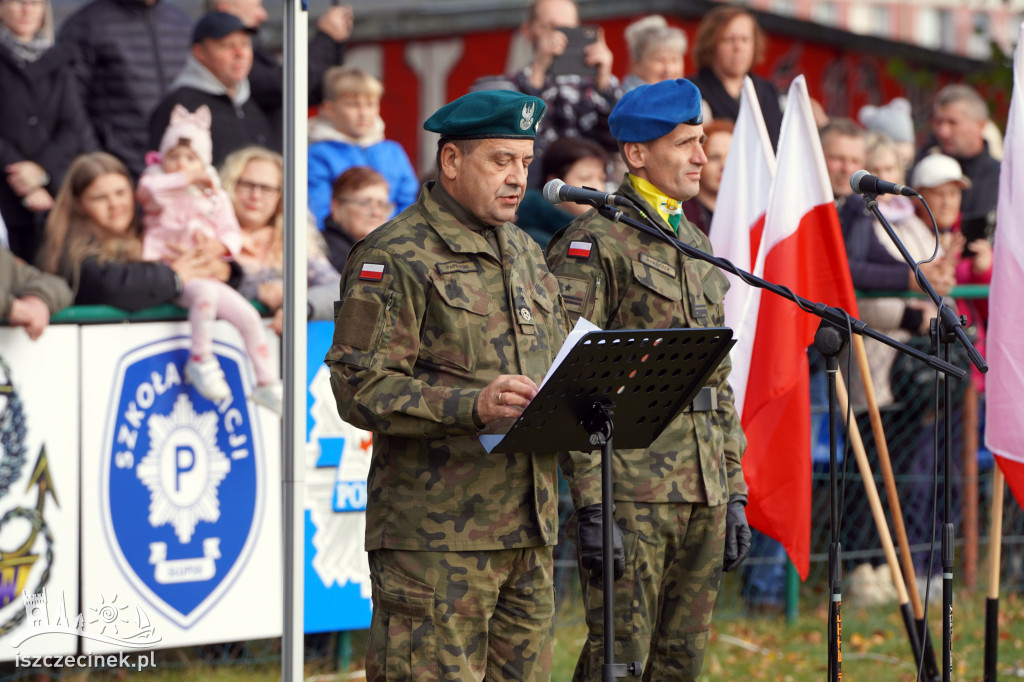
x=183, y=481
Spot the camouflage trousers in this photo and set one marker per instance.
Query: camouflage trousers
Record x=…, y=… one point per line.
x=461, y=616
x=663, y=602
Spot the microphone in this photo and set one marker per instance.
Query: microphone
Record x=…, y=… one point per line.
x=863, y=182
x=557, y=191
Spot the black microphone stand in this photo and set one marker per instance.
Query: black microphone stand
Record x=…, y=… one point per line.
x=838, y=319
x=946, y=328
x=836, y=316
x=830, y=342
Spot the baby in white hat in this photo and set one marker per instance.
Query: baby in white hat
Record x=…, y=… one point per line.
x=186, y=209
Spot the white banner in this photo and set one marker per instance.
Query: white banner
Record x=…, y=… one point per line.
x=181, y=496
x=39, y=600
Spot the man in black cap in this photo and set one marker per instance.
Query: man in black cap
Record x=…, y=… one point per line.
x=216, y=74
x=326, y=49
x=449, y=320
x=679, y=504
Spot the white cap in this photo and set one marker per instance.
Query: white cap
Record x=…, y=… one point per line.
x=938, y=169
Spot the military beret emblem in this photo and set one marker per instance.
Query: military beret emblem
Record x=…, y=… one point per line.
x=526, y=121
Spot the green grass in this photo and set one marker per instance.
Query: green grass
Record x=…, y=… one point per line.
x=742, y=647
x=874, y=643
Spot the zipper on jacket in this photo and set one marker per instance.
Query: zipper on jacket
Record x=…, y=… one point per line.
x=157, y=60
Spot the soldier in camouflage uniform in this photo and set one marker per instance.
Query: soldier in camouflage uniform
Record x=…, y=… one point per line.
x=678, y=501
x=449, y=319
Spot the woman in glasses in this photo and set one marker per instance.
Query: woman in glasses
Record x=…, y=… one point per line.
x=253, y=179
x=359, y=205
x=41, y=121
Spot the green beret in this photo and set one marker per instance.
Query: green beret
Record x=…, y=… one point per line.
x=488, y=113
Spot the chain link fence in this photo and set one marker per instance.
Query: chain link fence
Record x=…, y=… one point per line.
x=759, y=588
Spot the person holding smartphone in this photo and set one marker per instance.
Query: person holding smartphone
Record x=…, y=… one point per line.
x=571, y=71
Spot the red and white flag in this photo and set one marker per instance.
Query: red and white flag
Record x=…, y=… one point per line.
x=737, y=224
x=1004, y=428
x=801, y=248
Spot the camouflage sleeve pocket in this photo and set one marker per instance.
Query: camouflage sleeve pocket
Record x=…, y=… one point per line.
x=360, y=324
x=575, y=293
x=357, y=323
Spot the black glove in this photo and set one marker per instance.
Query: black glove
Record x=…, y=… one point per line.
x=590, y=538
x=737, y=533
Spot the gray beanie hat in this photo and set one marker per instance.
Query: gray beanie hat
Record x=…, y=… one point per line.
x=893, y=119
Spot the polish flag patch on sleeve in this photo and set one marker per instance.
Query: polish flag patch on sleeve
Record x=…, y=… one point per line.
x=372, y=271
x=580, y=249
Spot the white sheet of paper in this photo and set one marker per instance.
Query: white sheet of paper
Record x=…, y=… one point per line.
x=582, y=328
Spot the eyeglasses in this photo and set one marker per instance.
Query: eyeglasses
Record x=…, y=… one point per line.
x=370, y=205
x=250, y=187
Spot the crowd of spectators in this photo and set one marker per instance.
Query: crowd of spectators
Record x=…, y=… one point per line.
x=81, y=113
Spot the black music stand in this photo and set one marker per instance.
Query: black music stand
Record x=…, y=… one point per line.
x=633, y=381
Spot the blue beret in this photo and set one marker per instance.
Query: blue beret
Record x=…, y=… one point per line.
x=652, y=111
x=488, y=113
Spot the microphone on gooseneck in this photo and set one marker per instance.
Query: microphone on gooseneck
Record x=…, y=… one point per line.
x=557, y=191
x=863, y=182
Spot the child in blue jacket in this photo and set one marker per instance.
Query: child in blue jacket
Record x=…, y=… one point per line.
x=350, y=132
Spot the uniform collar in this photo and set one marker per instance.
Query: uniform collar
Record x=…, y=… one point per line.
x=460, y=229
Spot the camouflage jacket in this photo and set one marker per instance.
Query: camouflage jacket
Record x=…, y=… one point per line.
x=629, y=279
x=429, y=316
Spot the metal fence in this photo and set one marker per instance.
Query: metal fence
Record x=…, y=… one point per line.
x=759, y=588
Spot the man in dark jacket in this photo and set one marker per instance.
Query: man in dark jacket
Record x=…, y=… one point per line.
x=217, y=74
x=127, y=53
x=266, y=80
x=959, y=116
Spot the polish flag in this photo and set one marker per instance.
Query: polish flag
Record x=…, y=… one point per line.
x=580, y=249
x=372, y=271
x=801, y=248
x=737, y=224
x=1004, y=429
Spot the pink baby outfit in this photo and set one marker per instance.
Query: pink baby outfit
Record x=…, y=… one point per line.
x=175, y=214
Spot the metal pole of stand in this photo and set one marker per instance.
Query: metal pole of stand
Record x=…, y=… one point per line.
x=600, y=428
x=830, y=342
x=607, y=560
x=835, y=607
x=945, y=342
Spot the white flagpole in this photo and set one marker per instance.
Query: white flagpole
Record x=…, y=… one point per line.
x=296, y=87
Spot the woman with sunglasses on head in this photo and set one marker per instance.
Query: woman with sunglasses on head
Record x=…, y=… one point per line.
x=253, y=178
